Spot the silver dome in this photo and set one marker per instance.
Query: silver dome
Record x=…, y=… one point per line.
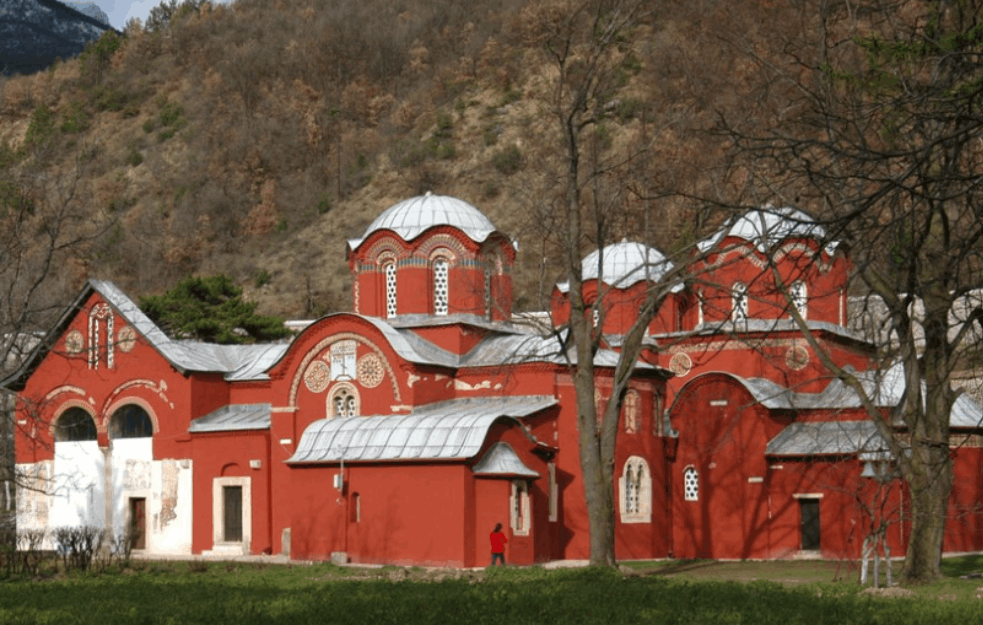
x=410, y=218
x=626, y=263
x=768, y=227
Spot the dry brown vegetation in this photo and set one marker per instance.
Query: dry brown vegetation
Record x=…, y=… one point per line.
x=254, y=138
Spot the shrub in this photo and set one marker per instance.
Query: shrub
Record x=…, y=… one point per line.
x=324, y=205
x=42, y=126
x=76, y=120
x=508, y=160
x=170, y=113
x=149, y=125
x=261, y=278
x=134, y=158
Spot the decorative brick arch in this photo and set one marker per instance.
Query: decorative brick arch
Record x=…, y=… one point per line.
x=326, y=343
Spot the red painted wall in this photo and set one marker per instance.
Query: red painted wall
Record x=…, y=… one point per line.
x=227, y=454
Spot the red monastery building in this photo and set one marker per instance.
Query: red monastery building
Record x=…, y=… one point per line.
x=403, y=431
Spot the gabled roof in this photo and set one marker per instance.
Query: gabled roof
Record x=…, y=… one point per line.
x=447, y=430
x=237, y=362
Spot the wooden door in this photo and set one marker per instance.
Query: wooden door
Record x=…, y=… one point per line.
x=138, y=523
x=232, y=496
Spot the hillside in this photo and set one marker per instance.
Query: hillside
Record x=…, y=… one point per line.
x=254, y=138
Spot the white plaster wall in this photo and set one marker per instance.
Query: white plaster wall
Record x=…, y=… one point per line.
x=78, y=485
x=34, y=499
x=131, y=461
x=170, y=507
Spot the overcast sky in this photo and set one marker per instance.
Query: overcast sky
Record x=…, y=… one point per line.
x=119, y=11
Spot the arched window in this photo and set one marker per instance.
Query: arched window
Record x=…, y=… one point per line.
x=440, y=286
x=798, y=295
x=740, y=313
x=691, y=484
x=635, y=488
x=130, y=421
x=344, y=402
x=75, y=424
x=631, y=410
x=390, y=272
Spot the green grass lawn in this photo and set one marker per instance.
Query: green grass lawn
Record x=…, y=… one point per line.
x=177, y=592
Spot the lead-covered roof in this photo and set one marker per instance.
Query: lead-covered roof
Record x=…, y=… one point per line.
x=410, y=218
x=447, y=430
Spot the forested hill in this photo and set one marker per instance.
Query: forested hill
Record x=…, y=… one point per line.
x=33, y=33
x=254, y=138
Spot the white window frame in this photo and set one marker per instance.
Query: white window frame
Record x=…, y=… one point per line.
x=218, y=515
x=520, y=515
x=636, y=479
x=691, y=494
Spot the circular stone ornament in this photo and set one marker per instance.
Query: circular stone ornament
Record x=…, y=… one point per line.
x=73, y=342
x=680, y=364
x=317, y=377
x=126, y=338
x=370, y=371
x=797, y=357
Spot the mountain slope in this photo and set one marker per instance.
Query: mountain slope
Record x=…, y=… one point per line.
x=35, y=32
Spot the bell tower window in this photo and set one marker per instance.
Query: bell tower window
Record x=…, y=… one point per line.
x=440, y=286
x=390, y=272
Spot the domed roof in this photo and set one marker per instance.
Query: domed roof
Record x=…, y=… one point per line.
x=409, y=218
x=625, y=263
x=769, y=226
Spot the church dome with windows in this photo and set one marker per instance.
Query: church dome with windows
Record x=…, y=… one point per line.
x=410, y=218
x=768, y=227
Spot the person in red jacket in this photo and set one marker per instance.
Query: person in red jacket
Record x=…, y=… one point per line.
x=498, y=541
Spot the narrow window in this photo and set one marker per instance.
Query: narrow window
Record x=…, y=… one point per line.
x=631, y=411
x=390, y=271
x=440, y=286
x=595, y=316
x=691, y=484
x=488, y=292
x=797, y=294
x=520, y=516
x=554, y=492
x=356, y=509
x=635, y=491
x=740, y=313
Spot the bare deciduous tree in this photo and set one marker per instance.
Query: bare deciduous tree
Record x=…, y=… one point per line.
x=883, y=134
